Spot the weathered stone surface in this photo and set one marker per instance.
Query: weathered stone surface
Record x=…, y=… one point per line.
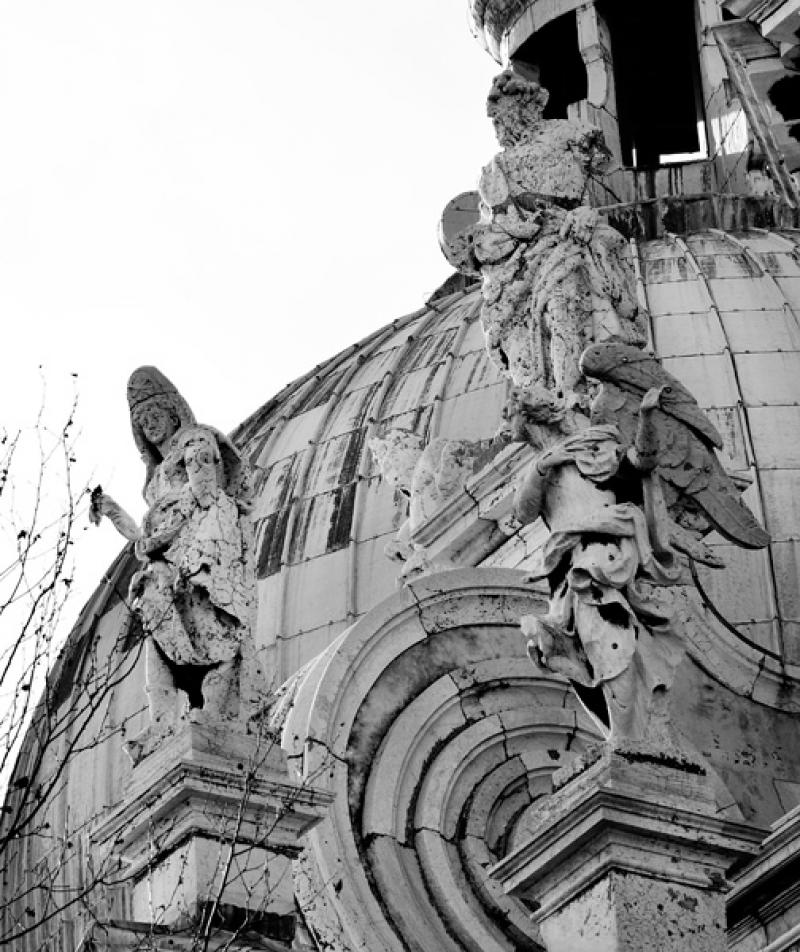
x=429, y=475
x=628, y=913
x=194, y=593
x=433, y=736
x=629, y=854
x=623, y=499
x=212, y=816
x=764, y=906
x=555, y=277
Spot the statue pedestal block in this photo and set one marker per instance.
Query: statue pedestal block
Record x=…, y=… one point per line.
x=628, y=854
x=209, y=829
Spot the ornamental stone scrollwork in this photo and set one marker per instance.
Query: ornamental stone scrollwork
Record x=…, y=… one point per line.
x=193, y=593
x=626, y=501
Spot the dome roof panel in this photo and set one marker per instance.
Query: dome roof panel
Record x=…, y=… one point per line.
x=415, y=390
x=678, y=296
x=750, y=330
x=721, y=324
x=354, y=405
x=747, y=587
x=661, y=270
x=727, y=264
x=471, y=371
x=783, y=264
x=287, y=441
x=781, y=490
x=774, y=431
x=790, y=286
x=657, y=249
x=734, y=455
x=322, y=507
x=685, y=335
x=768, y=379
x=474, y=341
x=468, y=416
x=709, y=378
x=732, y=294
x=383, y=509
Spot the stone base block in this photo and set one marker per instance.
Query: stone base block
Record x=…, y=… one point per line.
x=629, y=854
x=625, y=912
x=212, y=820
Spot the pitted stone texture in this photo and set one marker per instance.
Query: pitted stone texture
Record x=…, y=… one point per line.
x=212, y=816
x=194, y=593
x=628, y=913
x=555, y=277
x=616, y=853
x=428, y=474
x=492, y=18
x=433, y=737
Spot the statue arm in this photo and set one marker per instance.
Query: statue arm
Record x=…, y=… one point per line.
x=530, y=496
x=104, y=505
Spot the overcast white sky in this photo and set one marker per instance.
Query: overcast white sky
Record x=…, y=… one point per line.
x=232, y=190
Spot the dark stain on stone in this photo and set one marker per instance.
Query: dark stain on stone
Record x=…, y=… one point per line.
x=269, y=542
x=339, y=529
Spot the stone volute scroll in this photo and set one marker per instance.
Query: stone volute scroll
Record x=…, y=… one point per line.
x=194, y=591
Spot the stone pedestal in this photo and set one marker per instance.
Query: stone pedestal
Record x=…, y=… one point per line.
x=628, y=854
x=208, y=831
x=764, y=905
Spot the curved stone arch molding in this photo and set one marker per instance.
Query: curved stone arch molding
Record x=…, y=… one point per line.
x=727, y=658
x=435, y=732
x=510, y=24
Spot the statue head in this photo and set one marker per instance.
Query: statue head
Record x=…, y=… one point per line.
x=515, y=105
x=158, y=411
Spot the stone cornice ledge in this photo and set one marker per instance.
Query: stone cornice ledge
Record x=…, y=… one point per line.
x=779, y=850
x=480, y=518
x=580, y=840
x=196, y=786
x=122, y=936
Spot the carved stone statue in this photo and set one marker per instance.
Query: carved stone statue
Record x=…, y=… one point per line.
x=555, y=277
x=679, y=442
x=194, y=592
x=614, y=497
x=427, y=475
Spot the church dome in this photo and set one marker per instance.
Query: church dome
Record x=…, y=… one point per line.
x=323, y=515
x=723, y=310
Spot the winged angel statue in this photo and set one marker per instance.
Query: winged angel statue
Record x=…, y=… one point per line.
x=623, y=499
x=626, y=476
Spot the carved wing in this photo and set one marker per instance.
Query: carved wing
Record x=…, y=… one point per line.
x=685, y=436
x=614, y=406
x=637, y=372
